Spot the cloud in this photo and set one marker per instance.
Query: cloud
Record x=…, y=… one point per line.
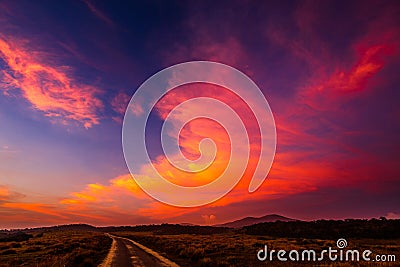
x=35, y=207
x=393, y=216
x=119, y=104
x=117, y=203
x=98, y=193
x=6, y=194
x=288, y=175
x=209, y=219
x=370, y=61
x=49, y=89
x=114, y=204
x=99, y=14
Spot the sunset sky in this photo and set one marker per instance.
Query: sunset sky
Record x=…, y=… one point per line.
x=329, y=70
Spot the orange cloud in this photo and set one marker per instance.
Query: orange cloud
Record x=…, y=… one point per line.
x=49, y=89
x=285, y=178
x=92, y=193
x=97, y=193
x=126, y=182
x=209, y=219
x=196, y=130
x=35, y=207
x=28, y=214
x=4, y=193
x=113, y=204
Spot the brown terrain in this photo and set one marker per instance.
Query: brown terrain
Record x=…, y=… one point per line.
x=192, y=245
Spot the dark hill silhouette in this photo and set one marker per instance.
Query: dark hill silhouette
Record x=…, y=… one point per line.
x=65, y=227
x=273, y=225
x=254, y=220
x=170, y=229
x=188, y=224
x=328, y=229
x=164, y=228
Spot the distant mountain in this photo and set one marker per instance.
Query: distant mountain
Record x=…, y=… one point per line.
x=254, y=220
x=65, y=227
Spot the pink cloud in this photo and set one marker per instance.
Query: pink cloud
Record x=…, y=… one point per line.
x=99, y=14
x=49, y=89
x=120, y=102
x=393, y=216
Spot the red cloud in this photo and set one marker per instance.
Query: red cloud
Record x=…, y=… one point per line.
x=370, y=61
x=48, y=88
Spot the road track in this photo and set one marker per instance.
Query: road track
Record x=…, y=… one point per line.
x=125, y=252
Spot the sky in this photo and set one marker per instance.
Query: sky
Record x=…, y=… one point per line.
x=328, y=69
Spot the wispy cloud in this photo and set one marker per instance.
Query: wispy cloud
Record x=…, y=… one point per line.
x=98, y=13
x=6, y=194
x=48, y=88
x=119, y=104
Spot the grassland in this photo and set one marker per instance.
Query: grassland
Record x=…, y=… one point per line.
x=56, y=248
x=239, y=249
x=85, y=245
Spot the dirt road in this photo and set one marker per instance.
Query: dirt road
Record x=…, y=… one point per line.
x=125, y=253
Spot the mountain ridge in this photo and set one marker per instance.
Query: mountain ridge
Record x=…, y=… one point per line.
x=254, y=220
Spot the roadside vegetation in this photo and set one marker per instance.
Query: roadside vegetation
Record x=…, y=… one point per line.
x=85, y=245
x=53, y=248
x=239, y=247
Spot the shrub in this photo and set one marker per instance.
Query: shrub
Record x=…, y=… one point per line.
x=16, y=245
x=9, y=252
x=205, y=262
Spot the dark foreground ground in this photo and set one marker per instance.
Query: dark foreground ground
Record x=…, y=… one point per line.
x=55, y=248
x=231, y=249
x=82, y=245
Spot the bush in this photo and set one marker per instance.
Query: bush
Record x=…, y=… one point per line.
x=33, y=249
x=16, y=245
x=17, y=237
x=205, y=262
x=39, y=235
x=9, y=252
x=5, y=247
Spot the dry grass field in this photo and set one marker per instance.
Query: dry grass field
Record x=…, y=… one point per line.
x=84, y=245
x=238, y=249
x=56, y=248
